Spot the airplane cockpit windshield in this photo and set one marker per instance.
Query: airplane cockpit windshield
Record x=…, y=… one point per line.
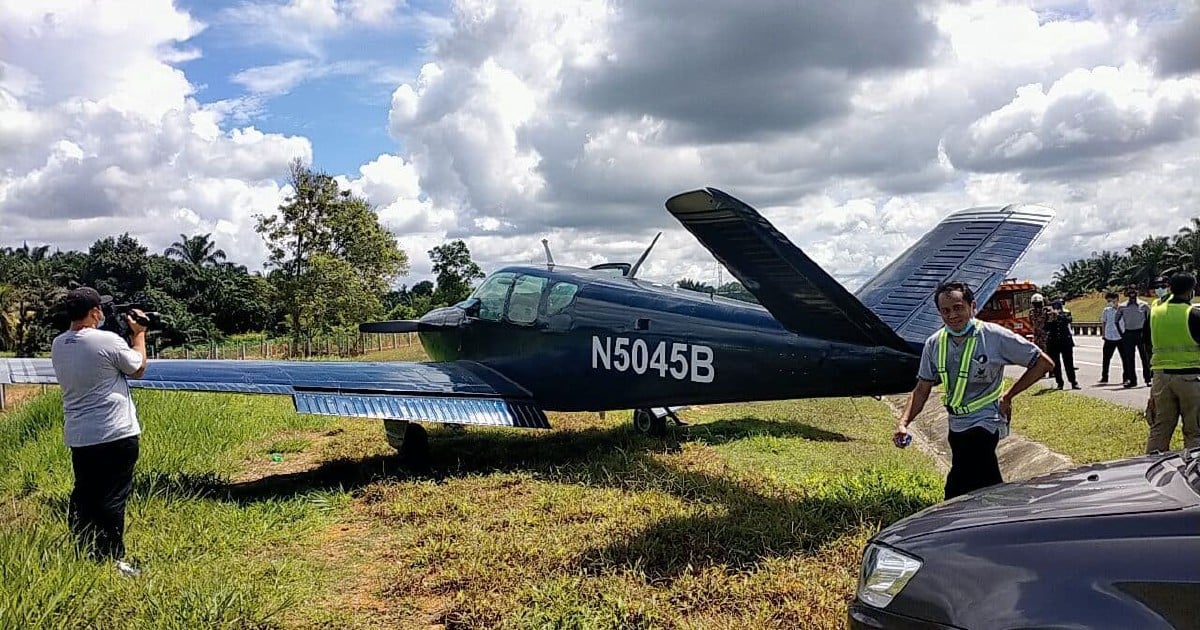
x=522, y=298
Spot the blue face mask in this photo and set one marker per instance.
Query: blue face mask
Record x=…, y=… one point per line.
x=967, y=328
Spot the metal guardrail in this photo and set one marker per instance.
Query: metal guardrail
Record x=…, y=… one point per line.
x=1093, y=329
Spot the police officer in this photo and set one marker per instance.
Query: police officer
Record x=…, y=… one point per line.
x=1175, y=361
x=101, y=426
x=967, y=357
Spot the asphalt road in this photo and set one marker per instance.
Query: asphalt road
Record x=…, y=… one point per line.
x=1088, y=358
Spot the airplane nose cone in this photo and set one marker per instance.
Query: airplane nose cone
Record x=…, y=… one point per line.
x=445, y=317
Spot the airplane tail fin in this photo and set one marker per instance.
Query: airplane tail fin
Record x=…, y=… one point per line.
x=978, y=246
x=796, y=291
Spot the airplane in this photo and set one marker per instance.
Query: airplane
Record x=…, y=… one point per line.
x=536, y=338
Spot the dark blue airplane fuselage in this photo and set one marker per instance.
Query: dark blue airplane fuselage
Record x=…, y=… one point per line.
x=625, y=343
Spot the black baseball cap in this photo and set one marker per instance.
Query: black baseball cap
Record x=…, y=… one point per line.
x=80, y=301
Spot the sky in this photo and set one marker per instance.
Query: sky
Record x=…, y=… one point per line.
x=853, y=126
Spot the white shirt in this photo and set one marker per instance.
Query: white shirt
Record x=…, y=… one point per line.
x=1112, y=325
x=91, y=366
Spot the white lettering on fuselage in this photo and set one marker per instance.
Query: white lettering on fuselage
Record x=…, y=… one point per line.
x=683, y=361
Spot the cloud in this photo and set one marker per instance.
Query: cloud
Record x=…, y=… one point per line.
x=302, y=25
x=1177, y=49
x=1087, y=116
x=126, y=148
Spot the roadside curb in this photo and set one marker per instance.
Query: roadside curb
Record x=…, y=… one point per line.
x=1020, y=458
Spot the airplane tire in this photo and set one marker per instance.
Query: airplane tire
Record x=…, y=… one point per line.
x=646, y=423
x=415, y=449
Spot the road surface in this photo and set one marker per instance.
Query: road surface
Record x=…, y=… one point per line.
x=1088, y=357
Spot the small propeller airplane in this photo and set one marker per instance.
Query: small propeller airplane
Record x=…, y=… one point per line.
x=536, y=338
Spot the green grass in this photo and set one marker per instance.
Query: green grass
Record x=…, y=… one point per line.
x=1085, y=429
x=1086, y=308
x=753, y=517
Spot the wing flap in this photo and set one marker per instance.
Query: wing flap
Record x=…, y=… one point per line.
x=460, y=392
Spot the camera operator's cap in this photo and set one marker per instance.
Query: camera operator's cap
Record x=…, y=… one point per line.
x=1056, y=302
x=85, y=299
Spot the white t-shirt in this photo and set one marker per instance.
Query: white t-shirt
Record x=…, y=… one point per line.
x=91, y=365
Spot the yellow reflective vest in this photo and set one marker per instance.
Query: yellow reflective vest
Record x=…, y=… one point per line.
x=1173, y=346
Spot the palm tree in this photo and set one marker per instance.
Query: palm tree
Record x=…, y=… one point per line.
x=1185, y=250
x=1147, y=260
x=198, y=250
x=1104, y=267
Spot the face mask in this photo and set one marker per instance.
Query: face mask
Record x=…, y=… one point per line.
x=1161, y=292
x=968, y=327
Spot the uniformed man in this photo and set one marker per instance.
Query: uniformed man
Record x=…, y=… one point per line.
x=1037, y=319
x=967, y=357
x=1175, y=362
x=1133, y=316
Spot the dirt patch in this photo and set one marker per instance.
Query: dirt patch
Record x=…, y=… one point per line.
x=17, y=395
x=262, y=462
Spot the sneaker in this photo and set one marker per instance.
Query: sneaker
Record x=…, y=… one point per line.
x=1074, y=385
x=124, y=568
x=1128, y=384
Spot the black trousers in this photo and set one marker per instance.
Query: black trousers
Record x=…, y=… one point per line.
x=103, y=479
x=973, y=461
x=1110, y=346
x=1135, y=341
x=1062, y=355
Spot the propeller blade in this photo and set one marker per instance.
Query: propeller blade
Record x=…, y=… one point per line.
x=390, y=326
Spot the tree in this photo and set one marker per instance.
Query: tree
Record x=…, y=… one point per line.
x=117, y=266
x=1185, y=249
x=198, y=250
x=455, y=270
x=331, y=259
x=695, y=285
x=1146, y=261
x=736, y=291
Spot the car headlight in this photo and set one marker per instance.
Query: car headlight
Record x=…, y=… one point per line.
x=885, y=571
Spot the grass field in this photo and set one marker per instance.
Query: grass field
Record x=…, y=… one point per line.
x=1087, y=308
x=752, y=517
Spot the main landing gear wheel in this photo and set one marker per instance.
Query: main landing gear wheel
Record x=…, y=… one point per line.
x=409, y=439
x=647, y=422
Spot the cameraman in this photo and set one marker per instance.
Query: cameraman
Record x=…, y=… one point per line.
x=101, y=426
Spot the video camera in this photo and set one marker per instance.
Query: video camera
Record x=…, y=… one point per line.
x=114, y=318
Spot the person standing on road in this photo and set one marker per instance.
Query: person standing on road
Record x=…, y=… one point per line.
x=1134, y=316
x=1060, y=344
x=1111, y=326
x=1175, y=391
x=101, y=426
x=967, y=357
x=1037, y=319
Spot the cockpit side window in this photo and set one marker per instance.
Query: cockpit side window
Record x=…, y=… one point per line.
x=492, y=294
x=560, y=297
x=526, y=295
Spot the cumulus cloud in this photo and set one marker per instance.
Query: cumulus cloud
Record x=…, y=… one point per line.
x=302, y=25
x=109, y=139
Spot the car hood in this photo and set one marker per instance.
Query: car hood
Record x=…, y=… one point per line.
x=1118, y=487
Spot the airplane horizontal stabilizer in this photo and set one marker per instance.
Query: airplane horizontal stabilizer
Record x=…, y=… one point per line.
x=459, y=392
x=979, y=246
x=797, y=292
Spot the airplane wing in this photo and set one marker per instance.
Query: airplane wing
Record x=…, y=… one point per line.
x=459, y=392
x=796, y=291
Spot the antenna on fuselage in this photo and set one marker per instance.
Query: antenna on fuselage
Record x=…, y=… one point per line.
x=638, y=265
x=549, y=257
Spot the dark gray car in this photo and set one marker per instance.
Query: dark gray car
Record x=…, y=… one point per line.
x=1112, y=545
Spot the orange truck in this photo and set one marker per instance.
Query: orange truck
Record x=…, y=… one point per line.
x=1009, y=306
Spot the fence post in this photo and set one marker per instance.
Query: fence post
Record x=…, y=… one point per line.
x=242, y=351
x=186, y=353
x=3, y=400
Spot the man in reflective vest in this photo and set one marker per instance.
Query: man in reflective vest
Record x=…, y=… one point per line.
x=967, y=357
x=1175, y=363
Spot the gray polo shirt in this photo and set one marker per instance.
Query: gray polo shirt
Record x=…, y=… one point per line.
x=995, y=348
x=1133, y=316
